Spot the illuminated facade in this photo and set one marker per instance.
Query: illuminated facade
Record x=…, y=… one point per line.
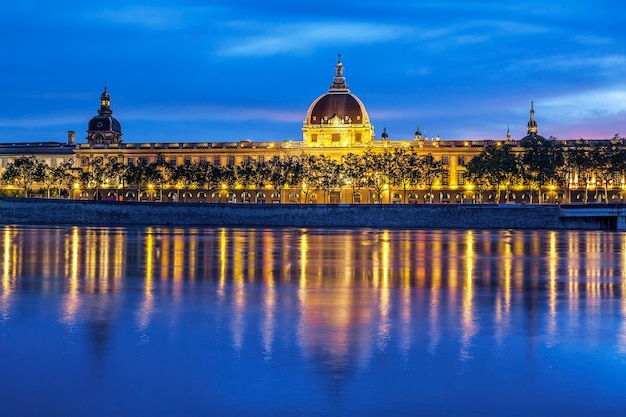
x=336, y=124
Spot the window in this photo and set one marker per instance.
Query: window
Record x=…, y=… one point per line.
x=445, y=159
x=187, y=160
x=314, y=137
x=461, y=160
x=460, y=178
x=173, y=162
x=131, y=161
x=261, y=159
x=217, y=160
x=5, y=162
x=113, y=160
x=202, y=160
x=246, y=160
x=336, y=137
x=85, y=161
x=357, y=138
x=445, y=177
x=231, y=161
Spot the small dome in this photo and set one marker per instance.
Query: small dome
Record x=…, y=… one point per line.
x=105, y=123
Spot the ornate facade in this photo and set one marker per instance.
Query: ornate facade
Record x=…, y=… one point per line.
x=336, y=124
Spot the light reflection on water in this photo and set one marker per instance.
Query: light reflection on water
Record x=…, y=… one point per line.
x=183, y=321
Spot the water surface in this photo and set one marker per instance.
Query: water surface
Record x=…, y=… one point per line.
x=308, y=322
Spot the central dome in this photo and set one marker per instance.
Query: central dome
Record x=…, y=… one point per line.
x=337, y=118
x=338, y=105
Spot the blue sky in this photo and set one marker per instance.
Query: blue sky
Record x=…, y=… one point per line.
x=190, y=70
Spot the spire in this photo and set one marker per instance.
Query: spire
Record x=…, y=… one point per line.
x=532, y=124
x=339, y=82
x=384, y=136
x=105, y=102
x=508, y=132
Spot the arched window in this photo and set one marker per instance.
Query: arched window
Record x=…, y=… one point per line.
x=201, y=194
x=215, y=194
x=261, y=194
x=130, y=194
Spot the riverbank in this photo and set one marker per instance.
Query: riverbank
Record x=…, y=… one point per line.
x=440, y=216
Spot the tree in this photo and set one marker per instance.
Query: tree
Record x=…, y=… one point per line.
x=497, y=165
x=541, y=163
x=24, y=172
x=579, y=160
x=405, y=170
x=375, y=173
x=187, y=176
x=354, y=172
x=431, y=172
x=328, y=175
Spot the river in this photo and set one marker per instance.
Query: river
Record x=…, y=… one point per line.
x=134, y=321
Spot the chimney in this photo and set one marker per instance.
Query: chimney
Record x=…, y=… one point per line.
x=71, y=135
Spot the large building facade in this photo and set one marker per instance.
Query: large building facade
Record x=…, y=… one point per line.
x=336, y=124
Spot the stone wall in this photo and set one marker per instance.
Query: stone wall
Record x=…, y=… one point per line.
x=457, y=216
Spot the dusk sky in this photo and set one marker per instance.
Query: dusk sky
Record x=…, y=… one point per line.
x=195, y=71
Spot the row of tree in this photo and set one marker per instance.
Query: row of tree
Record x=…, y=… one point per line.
x=542, y=162
x=549, y=162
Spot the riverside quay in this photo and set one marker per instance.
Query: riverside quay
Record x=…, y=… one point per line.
x=338, y=160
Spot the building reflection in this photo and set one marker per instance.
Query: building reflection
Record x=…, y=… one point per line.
x=342, y=296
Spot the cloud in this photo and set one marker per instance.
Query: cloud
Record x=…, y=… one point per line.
x=155, y=17
x=585, y=105
x=304, y=37
x=39, y=121
x=220, y=113
x=572, y=62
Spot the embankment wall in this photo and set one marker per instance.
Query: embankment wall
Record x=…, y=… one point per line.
x=105, y=213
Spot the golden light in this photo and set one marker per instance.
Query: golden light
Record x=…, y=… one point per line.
x=76, y=186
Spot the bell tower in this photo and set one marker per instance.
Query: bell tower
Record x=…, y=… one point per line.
x=104, y=129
